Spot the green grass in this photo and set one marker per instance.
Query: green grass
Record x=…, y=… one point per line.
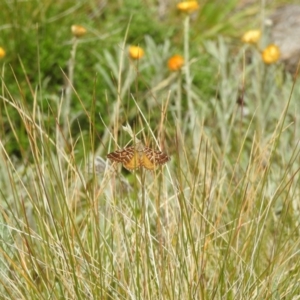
x=219, y=221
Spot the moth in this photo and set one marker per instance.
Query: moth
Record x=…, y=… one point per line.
x=134, y=157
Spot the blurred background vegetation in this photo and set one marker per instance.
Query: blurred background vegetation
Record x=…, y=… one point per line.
x=37, y=39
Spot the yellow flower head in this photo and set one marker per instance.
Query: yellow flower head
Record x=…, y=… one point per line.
x=175, y=63
x=251, y=36
x=188, y=6
x=78, y=30
x=136, y=52
x=2, y=52
x=271, y=54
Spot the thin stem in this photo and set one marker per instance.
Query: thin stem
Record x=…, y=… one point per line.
x=69, y=88
x=179, y=100
x=187, y=69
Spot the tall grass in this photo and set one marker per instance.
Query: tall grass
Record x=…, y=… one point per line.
x=219, y=221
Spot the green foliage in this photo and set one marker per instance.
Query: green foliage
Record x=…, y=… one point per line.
x=38, y=44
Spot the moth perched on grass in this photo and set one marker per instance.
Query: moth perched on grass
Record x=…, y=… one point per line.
x=134, y=157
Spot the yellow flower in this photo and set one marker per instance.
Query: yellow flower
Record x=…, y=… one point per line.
x=78, y=30
x=175, y=63
x=136, y=52
x=188, y=6
x=2, y=52
x=271, y=54
x=251, y=36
